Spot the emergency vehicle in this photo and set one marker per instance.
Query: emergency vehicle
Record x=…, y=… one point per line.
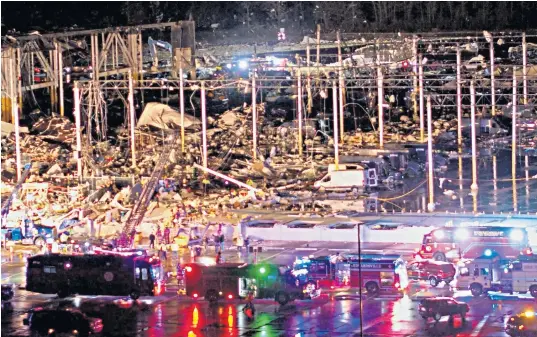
x=109, y=274
x=380, y=273
x=490, y=273
x=454, y=243
x=234, y=280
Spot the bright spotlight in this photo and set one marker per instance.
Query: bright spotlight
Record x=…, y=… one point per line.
x=488, y=252
x=516, y=235
x=462, y=234
x=243, y=64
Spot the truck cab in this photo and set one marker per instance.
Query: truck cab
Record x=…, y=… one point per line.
x=479, y=275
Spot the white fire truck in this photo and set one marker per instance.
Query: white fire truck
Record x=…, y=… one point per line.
x=489, y=273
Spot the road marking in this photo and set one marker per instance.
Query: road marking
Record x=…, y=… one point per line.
x=480, y=326
x=273, y=248
x=306, y=249
x=7, y=278
x=375, y=322
x=272, y=256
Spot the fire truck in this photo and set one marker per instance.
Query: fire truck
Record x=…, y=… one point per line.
x=454, y=243
x=234, y=280
x=379, y=273
x=491, y=273
x=109, y=274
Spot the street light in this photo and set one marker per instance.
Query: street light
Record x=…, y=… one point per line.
x=360, y=278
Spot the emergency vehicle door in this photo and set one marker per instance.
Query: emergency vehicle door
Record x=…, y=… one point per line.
x=482, y=275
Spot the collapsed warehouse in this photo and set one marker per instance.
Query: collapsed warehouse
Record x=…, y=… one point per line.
x=275, y=116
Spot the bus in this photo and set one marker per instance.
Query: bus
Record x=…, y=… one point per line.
x=379, y=273
x=455, y=243
x=94, y=275
x=234, y=280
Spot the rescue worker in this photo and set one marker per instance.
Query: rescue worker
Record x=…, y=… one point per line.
x=152, y=241
x=249, y=308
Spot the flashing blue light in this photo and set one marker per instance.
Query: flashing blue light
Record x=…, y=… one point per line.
x=488, y=252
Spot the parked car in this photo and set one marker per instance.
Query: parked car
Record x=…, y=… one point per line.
x=7, y=292
x=522, y=325
x=433, y=271
x=62, y=320
x=438, y=307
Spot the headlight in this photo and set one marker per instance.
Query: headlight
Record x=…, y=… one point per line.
x=243, y=64
x=516, y=235
x=462, y=234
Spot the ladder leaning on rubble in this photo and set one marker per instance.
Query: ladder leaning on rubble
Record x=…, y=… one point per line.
x=140, y=207
x=7, y=203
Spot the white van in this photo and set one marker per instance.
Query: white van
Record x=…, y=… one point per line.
x=347, y=180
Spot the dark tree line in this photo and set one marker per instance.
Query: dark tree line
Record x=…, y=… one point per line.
x=349, y=16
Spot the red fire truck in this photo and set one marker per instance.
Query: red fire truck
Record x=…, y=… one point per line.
x=380, y=273
x=454, y=243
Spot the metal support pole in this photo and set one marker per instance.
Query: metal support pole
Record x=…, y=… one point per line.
x=361, y=282
x=430, y=205
x=254, y=117
x=76, y=100
x=513, y=125
x=15, y=112
x=527, y=173
x=422, y=117
x=308, y=80
x=461, y=182
x=204, y=124
x=53, y=106
x=495, y=179
x=459, y=101
x=299, y=110
x=341, y=88
x=380, y=87
x=318, y=44
x=132, y=114
x=525, y=68
x=336, y=136
x=474, y=145
x=514, y=140
x=415, y=77
x=60, y=77
x=492, y=84
x=19, y=80
x=182, y=106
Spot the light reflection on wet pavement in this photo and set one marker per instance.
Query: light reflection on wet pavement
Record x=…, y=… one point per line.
x=172, y=315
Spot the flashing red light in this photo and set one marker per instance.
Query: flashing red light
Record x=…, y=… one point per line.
x=188, y=269
x=428, y=248
x=397, y=285
x=230, y=296
x=521, y=327
x=67, y=265
x=528, y=251
x=195, y=295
